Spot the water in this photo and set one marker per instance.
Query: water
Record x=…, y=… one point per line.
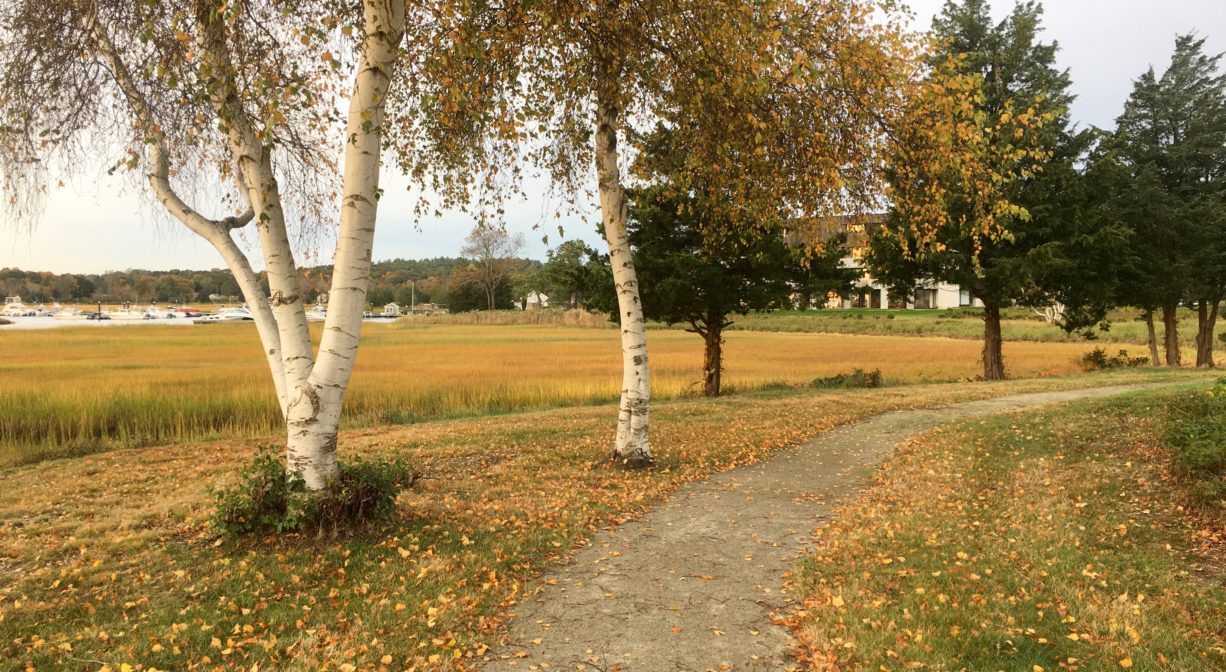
x=52, y=323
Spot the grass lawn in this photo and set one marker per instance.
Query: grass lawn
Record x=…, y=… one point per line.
x=108, y=559
x=73, y=391
x=1018, y=324
x=1060, y=539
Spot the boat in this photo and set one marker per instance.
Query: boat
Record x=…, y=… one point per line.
x=155, y=313
x=70, y=314
x=126, y=313
x=316, y=314
x=225, y=315
x=13, y=307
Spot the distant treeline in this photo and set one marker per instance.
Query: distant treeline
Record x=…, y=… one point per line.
x=443, y=280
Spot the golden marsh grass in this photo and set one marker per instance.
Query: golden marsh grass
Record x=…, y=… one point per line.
x=74, y=390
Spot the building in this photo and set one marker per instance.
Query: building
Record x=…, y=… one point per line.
x=534, y=301
x=867, y=292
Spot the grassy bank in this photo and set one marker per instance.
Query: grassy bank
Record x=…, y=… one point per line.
x=1019, y=324
x=107, y=559
x=73, y=391
x=1050, y=540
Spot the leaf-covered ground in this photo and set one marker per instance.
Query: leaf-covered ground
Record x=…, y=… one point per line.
x=1050, y=540
x=108, y=560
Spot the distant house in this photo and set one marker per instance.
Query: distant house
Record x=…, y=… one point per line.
x=391, y=310
x=867, y=292
x=535, y=301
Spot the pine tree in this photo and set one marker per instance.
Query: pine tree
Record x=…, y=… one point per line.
x=1044, y=241
x=1171, y=145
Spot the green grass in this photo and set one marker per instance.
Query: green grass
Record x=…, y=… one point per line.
x=1018, y=324
x=1196, y=436
x=1049, y=540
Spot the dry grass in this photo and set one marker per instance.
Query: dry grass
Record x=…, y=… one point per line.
x=74, y=391
x=1051, y=540
x=108, y=558
x=565, y=318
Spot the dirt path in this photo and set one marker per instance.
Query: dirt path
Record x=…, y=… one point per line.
x=690, y=586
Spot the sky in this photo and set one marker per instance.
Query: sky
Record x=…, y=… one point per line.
x=97, y=222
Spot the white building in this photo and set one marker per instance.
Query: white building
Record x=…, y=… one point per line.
x=534, y=301
x=867, y=292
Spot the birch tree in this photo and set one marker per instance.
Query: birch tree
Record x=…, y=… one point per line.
x=240, y=97
x=780, y=103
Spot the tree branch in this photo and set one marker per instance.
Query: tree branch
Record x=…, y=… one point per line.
x=231, y=223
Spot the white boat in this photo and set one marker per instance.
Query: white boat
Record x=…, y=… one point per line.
x=126, y=313
x=13, y=307
x=225, y=315
x=316, y=314
x=155, y=313
x=70, y=314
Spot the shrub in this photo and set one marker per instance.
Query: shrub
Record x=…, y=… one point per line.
x=1196, y=437
x=1098, y=360
x=857, y=378
x=267, y=498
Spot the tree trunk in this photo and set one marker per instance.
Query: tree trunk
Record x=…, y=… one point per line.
x=631, y=447
x=216, y=232
x=1170, y=327
x=993, y=358
x=313, y=435
x=1206, y=321
x=1153, y=338
x=311, y=429
x=713, y=358
x=310, y=390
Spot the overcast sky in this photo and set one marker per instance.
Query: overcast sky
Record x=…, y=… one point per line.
x=97, y=223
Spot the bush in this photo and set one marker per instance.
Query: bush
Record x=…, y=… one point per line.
x=1196, y=437
x=268, y=499
x=857, y=378
x=1098, y=360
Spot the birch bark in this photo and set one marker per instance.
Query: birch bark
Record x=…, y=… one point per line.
x=631, y=446
x=216, y=232
x=313, y=436
x=310, y=390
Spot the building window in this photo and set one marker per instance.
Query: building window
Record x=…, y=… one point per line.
x=964, y=297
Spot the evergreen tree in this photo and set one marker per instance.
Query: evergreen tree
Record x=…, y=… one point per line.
x=1046, y=240
x=697, y=274
x=1170, y=144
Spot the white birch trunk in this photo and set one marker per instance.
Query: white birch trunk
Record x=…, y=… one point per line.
x=217, y=233
x=313, y=442
x=631, y=447
x=310, y=392
x=257, y=181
